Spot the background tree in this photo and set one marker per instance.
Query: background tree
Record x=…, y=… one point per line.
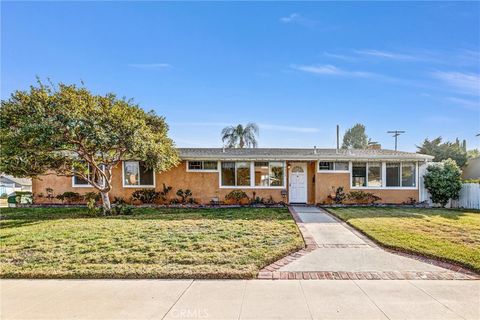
x=447, y=150
x=443, y=181
x=70, y=131
x=240, y=136
x=355, y=138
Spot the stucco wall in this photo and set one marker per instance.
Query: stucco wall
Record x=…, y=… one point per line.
x=326, y=183
x=204, y=185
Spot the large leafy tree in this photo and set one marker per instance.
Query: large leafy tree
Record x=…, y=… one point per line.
x=240, y=136
x=355, y=138
x=443, y=181
x=446, y=150
x=67, y=130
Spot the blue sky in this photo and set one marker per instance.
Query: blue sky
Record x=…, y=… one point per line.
x=296, y=69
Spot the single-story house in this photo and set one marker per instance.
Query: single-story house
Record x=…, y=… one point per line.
x=10, y=184
x=290, y=175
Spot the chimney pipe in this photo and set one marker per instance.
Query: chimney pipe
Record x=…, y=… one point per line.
x=338, y=137
x=314, y=149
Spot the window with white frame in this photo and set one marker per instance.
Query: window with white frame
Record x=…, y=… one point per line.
x=256, y=174
x=333, y=166
x=374, y=174
x=384, y=175
x=136, y=173
x=269, y=174
x=202, y=165
x=409, y=177
x=359, y=174
x=80, y=182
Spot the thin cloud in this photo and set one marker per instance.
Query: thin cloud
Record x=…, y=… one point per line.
x=328, y=69
x=468, y=83
x=466, y=103
x=156, y=66
x=296, y=18
x=339, y=56
x=386, y=54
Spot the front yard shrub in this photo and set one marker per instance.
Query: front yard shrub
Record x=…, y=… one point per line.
x=20, y=197
x=443, y=181
x=164, y=193
x=69, y=197
x=338, y=196
x=145, y=195
x=362, y=197
x=92, y=208
x=92, y=196
x=184, y=195
x=237, y=197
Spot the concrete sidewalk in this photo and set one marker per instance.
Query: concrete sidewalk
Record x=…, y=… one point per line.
x=239, y=299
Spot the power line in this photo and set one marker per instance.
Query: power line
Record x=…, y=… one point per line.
x=396, y=133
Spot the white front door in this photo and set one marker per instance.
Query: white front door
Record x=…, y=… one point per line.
x=297, y=186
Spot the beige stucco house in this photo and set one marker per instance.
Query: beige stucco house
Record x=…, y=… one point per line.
x=290, y=175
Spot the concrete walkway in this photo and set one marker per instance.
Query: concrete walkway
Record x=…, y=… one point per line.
x=239, y=299
x=342, y=249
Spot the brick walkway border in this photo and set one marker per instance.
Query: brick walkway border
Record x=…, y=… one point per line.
x=271, y=271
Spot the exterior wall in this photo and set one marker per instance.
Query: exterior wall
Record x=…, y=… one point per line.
x=204, y=185
x=327, y=183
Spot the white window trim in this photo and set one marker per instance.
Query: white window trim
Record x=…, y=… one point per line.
x=202, y=170
x=384, y=177
x=252, y=176
x=88, y=185
x=136, y=186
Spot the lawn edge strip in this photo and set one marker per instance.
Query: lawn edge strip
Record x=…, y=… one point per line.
x=409, y=253
x=271, y=270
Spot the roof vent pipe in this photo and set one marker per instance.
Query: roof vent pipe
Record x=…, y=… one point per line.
x=314, y=149
x=223, y=149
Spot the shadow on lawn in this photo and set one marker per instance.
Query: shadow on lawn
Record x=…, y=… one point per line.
x=348, y=213
x=19, y=217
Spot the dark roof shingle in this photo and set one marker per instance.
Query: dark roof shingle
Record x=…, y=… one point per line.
x=296, y=154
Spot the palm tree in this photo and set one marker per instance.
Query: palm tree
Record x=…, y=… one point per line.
x=240, y=136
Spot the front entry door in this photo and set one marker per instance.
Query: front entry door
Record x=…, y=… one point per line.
x=297, y=187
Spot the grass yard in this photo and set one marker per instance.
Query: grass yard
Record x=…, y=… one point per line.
x=152, y=243
x=452, y=235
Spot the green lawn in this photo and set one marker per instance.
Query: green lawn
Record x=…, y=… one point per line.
x=452, y=235
x=153, y=243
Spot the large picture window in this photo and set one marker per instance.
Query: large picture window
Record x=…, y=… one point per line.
x=252, y=174
x=135, y=173
x=388, y=174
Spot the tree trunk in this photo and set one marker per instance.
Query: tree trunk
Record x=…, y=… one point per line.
x=106, y=203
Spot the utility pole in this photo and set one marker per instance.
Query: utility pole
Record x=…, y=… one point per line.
x=396, y=133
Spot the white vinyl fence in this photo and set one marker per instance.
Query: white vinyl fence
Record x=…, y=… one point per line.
x=469, y=195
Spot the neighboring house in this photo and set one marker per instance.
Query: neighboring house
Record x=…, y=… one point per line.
x=472, y=169
x=9, y=184
x=290, y=175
